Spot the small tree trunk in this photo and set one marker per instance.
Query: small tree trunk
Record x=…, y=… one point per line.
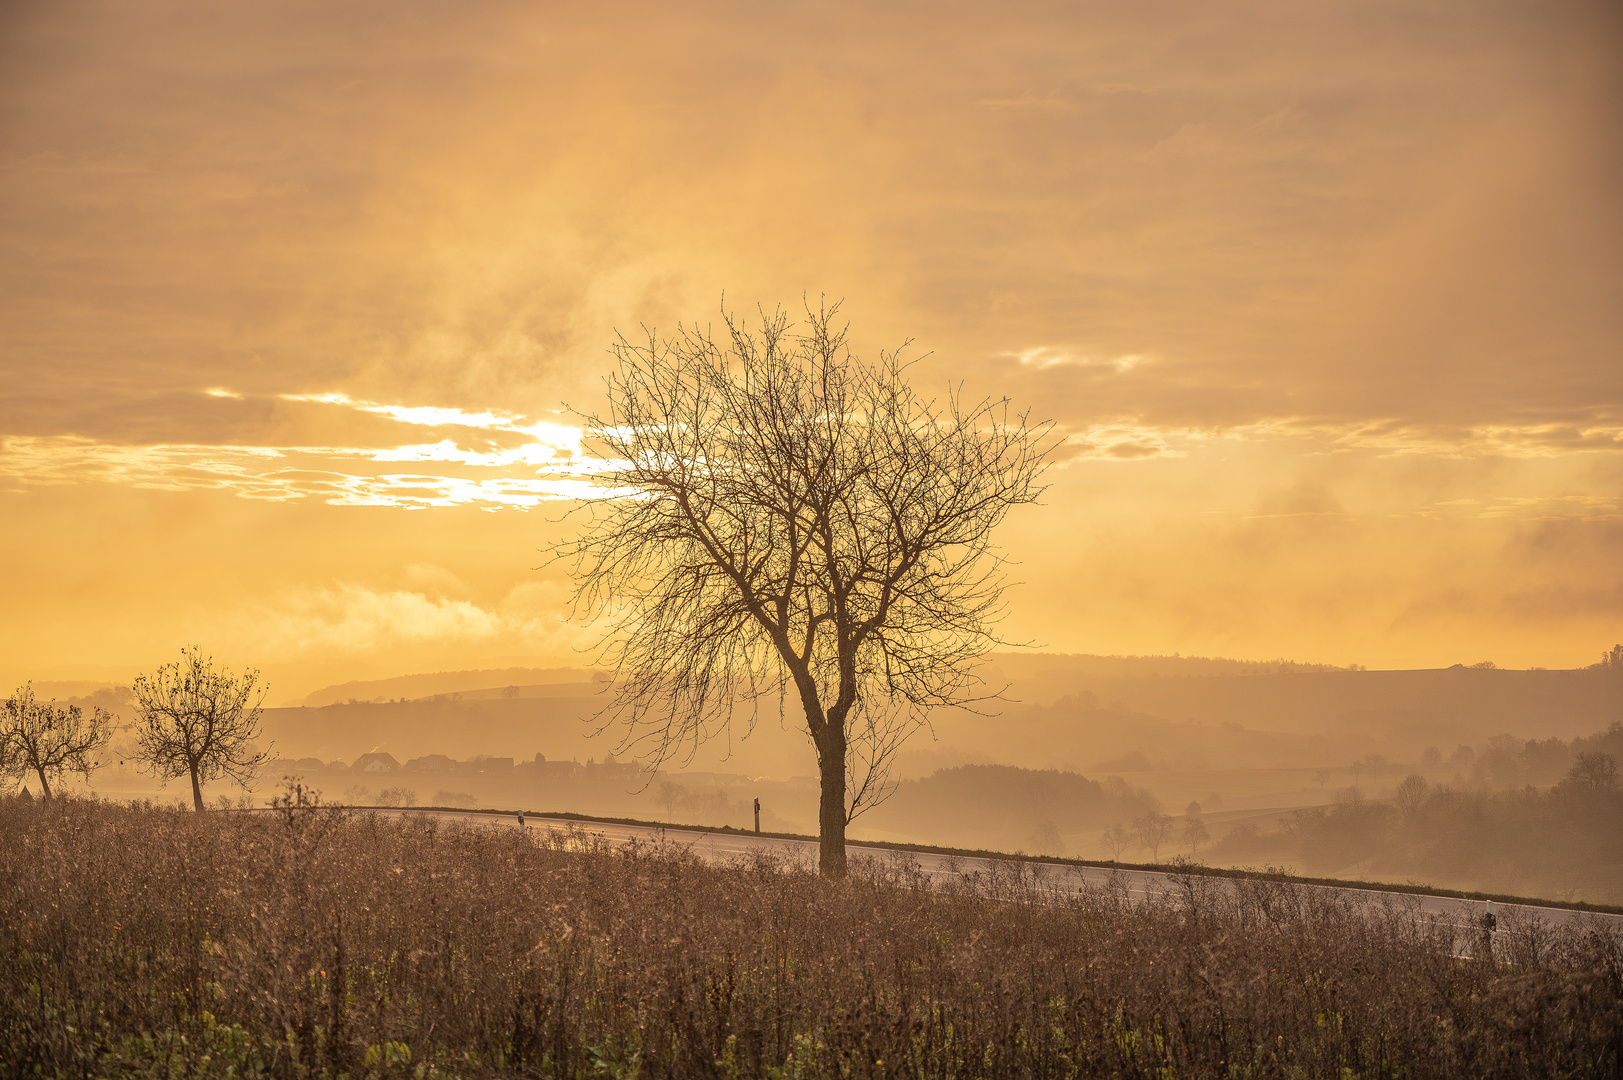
x=197, y=791
x=44, y=785
x=831, y=814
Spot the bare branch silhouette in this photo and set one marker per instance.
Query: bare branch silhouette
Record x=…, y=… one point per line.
x=49, y=741
x=199, y=721
x=778, y=513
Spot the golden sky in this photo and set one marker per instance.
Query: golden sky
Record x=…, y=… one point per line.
x=1326, y=298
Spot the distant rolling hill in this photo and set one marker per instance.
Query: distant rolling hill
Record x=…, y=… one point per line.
x=446, y=724
x=408, y=687
x=1077, y=712
x=555, y=719
x=1467, y=703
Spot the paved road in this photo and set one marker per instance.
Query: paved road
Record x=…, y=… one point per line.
x=1140, y=884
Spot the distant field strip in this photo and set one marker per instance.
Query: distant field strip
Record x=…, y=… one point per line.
x=722, y=847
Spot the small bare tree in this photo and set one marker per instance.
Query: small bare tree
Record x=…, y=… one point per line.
x=48, y=740
x=778, y=514
x=1152, y=830
x=1116, y=838
x=1410, y=796
x=199, y=721
x=1594, y=771
x=11, y=768
x=1195, y=834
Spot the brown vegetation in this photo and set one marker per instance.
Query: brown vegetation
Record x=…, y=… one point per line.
x=306, y=941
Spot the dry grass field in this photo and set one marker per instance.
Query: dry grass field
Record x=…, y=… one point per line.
x=309, y=941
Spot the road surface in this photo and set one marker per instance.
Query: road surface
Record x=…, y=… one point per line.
x=1140, y=884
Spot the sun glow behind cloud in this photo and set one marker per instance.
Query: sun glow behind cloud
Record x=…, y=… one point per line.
x=558, y=437
x=546, y=464
x=338, y=476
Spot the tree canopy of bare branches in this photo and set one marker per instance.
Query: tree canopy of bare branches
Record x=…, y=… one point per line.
x=49, y=740
x=199, y=721
x=1152, y=830
x=779, y=514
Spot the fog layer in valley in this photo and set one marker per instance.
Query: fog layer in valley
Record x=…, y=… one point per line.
x=1471, y=777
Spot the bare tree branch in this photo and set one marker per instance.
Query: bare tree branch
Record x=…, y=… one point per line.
x=779, y=513
x=49, y=741
x=200, y=722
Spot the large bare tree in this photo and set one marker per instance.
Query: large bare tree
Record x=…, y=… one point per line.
x=49, y=740
x=200, y=721
x=779, y=515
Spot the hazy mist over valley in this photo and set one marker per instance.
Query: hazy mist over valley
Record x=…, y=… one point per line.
x=1284, y=764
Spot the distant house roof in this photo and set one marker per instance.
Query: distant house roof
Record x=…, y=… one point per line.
x=608, y=768
x=375, y=763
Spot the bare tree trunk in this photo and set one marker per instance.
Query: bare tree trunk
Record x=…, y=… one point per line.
x=831, y=813
x=44, y=784
x=197, y=791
